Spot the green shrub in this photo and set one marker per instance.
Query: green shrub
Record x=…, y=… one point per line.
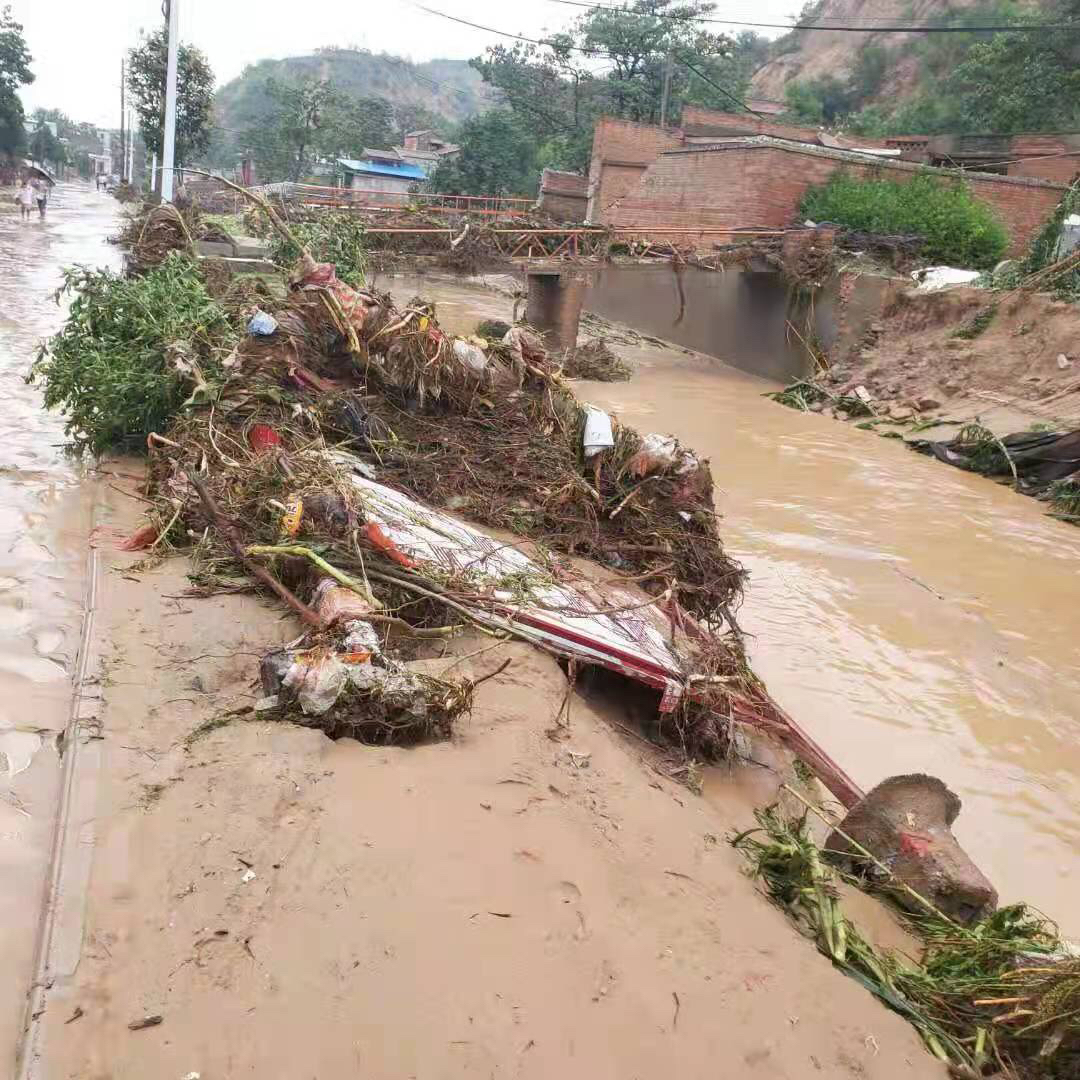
x=131, y=351
x=333, y=238
x=956, y=228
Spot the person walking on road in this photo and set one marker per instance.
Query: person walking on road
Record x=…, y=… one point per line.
x=25, y=198
x=42, y=195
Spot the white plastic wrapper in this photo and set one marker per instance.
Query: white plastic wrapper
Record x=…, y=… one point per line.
x=471, y=356
x=941, y=277
x=598, y=434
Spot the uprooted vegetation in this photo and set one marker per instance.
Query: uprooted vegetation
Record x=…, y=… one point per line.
x=999, y=997
x=133, y=351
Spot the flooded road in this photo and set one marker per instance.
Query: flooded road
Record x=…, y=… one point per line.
x=43, y=541
x=910, y=616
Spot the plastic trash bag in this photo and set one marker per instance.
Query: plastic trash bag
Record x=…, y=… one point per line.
x=262, y=324
x=598, y=435
x=470, y=356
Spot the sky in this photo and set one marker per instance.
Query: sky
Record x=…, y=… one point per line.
x=77, y=45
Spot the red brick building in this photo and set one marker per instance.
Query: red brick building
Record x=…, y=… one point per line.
x=714, y=173
x=563, y=196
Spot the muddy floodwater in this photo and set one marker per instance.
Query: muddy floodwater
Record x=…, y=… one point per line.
x=43, y=543
x=914, y=618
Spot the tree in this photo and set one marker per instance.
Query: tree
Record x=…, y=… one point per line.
x=146, y=69
x=498, y=155
x=409, y=117
x=46, y=147
x=555, y=89
x=15, y=60
x=312, y=120
x=1015, y=83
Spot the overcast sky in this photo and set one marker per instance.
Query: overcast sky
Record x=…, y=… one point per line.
x=77, y=45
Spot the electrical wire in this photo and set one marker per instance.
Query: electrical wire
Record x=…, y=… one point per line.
x=879, y=27
x=587, y=52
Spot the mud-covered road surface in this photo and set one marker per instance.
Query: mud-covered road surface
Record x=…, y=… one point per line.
x=44, y=524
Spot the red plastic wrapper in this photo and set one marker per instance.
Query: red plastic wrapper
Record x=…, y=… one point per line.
x=263, y=437
x=383, y=543
x=141, y=538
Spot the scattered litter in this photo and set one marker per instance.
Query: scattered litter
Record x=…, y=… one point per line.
x=340, y=680
x=933, y=278
x=145, y=1022
x=248, y=875
x=262, y=324
x=597, y=436
x=77, y=1014
x=263, y=437
x=1063, y=362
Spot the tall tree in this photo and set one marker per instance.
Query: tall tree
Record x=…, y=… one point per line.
x=312, y=120
x=47, y=147
x=557, y=89
x=15, y=60
x=146, y=69
x=499, y=155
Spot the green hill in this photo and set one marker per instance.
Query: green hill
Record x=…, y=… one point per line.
x=447, y=89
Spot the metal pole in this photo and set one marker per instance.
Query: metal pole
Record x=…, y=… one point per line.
x=169, y=151
x=131, y=149
x=123, y=111
x=153, y=173
x=667, y=91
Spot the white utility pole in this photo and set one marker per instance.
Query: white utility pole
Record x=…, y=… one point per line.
x=131, y=148
x=168, y=155
x=153, y=174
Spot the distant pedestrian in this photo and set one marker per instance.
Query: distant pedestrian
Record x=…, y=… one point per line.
x=26, y=198
x=42, y=196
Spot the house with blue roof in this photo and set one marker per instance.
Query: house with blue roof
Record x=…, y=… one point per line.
x=383, y=175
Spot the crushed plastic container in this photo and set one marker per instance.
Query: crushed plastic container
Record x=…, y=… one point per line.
x=598, y=435
x=262, y=324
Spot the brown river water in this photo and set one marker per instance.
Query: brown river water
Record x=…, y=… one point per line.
x=912, y=617
x=44, y=524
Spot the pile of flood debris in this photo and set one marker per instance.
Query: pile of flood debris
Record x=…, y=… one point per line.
x=151, y=233
x=323, y=459
x=1001, y=997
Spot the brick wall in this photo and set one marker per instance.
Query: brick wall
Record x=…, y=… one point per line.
x=1059, y=169
x=563, y=195
x=622, y=151
x=699, y=123
x=759, y=183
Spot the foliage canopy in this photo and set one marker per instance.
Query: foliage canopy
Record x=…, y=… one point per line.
x=115, y=368
x=15, y=60
x=146, y=69
x=957, y=228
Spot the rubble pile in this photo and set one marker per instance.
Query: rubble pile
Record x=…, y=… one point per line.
x=262, y=470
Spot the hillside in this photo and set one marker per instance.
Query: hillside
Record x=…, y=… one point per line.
x=810, y=54
x=448, y=88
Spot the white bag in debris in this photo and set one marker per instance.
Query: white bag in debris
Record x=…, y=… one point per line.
x=471, y=356
x=932, y=278
x=598, y=434
x=662, y=453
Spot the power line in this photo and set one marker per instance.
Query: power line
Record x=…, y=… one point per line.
x=716, y=86
x=587, y=52
x=882, y=27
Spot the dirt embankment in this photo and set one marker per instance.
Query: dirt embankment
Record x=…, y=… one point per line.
x=1010, y=359
x=518, y=902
